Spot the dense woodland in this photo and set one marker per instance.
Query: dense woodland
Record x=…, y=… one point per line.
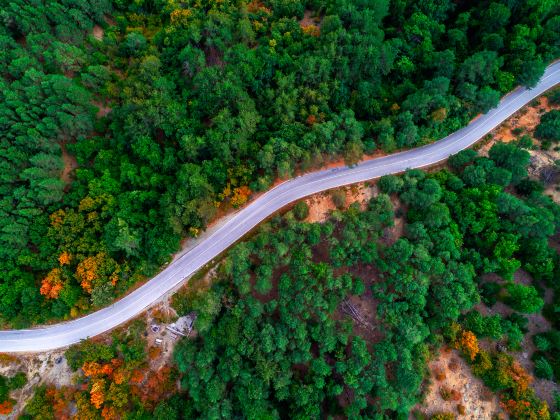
x=183, y=108
x=273, y=341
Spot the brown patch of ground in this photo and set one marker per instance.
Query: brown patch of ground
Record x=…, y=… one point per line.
x=544, y=389
x=70, y=163
x=524, y=121
x=322, y=205
x=109, y=20
x=103, y=109
x=310, y=19
x=451, y=372
x=160, y=353
x=98, y=32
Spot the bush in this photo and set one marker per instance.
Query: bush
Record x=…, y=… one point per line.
x=339, y=198
x=514, y=335
x=443, y=416
x=390, y=184
x=541, y=342
x=464, y=157
x=524, y=298
x=483, y=326
x=301, y=210
x=489, y=292
x=17, y=381
x=543, y=369
x=549, y=127
x=520, y=320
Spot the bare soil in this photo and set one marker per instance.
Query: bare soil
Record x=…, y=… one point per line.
x=544, y=389
x=98, y=32
x=525, y=121
x=70, y=164
x=103, y=109
x=310, y=19
x=42, y=368
x=451, y=372
x=321, y=205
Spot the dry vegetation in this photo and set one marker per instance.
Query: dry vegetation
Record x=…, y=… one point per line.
x=454, y=389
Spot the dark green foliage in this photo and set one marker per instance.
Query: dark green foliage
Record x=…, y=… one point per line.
x=483, y=326
x=548, y=129
x=543, y=369
x=255, y=348
x=87, y=351
x=17, y=381
x=390, y=184
x=523, y=298
x=4, y=388
x=301, y=210
x=228, y=97
x=489, y=292
x=284, y=300
x=8, y=384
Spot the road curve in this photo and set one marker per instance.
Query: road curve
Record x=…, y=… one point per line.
x=66, y=333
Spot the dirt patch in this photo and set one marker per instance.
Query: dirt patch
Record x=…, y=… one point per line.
x=109, y=20
x=70, y=163
x=310, y=19
x=322, y=205
x=98, y=32
x=103, y=109
x=43, y=368
x=449, y=373
x=544, y=389
x=524, y=121
x=159, y=341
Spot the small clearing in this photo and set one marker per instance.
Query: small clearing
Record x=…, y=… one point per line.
x=310, y=19
x=98, y=32
x=451, y=373
x=322, y=205
x=524, y=121
x=70, y=164
x=103, y=109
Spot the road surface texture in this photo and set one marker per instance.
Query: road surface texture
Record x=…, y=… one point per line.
x=236, y=226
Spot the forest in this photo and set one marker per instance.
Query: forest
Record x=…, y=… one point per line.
x=273, y=339
x=273, y=342
x=126, y=126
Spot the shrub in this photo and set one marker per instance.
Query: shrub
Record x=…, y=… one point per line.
x=524, y=298
x=489, y=292
x=449, y=394
x=543, y=369
x=443, y=416
x=301, y=210
x=339, y=198
x=390, y=184
x=541, y=342
x=439, y=374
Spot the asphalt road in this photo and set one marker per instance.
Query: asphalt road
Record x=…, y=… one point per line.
x=232, y=229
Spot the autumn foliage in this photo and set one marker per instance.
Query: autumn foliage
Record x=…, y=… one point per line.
x=97, y=393
x=468, y=344
x=86, y=271
x=52, y=284
x=157, y=386
x=65, y=258
x=97, y=269
x=6, y=407
x=240, y=196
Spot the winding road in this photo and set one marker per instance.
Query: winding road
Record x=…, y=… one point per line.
x=235, y=227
